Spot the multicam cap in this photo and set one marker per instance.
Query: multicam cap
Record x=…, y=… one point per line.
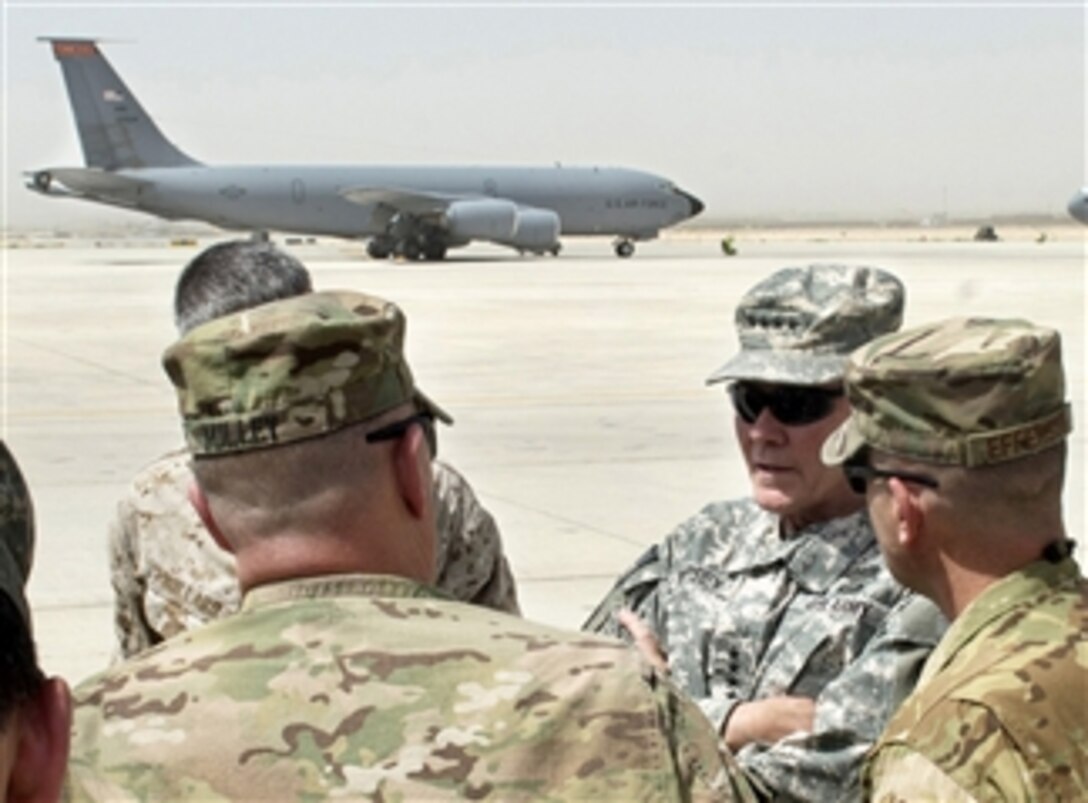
x=289, y=370
x=16, y=532
x=966, y=391
x=798, y=325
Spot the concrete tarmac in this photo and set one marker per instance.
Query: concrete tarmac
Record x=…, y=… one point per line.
x=577, y=384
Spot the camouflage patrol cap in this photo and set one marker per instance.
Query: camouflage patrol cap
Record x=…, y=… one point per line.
x=966, y=392
x=798, y=325
x=16, y=533
x=289, y=370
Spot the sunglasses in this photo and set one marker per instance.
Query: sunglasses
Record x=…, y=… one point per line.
x=391, y=432
x=792, y=405
x=859, y=473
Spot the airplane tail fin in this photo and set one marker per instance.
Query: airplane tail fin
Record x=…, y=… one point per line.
x=114, y=129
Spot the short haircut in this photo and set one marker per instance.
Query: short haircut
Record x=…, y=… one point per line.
x=232, y=276
x=294, y=485
x=20, y=676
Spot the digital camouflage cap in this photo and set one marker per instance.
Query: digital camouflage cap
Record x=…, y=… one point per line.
x=798, y=325
x=290, y=370
x=16, y=533
x=966, y=392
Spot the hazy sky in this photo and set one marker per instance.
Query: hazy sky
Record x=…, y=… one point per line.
x=794, y=112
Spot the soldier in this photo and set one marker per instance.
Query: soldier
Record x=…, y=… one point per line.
x=168, y=575
x=35, y=711
x=775, y=612
x=345, y=674
x=958, y=438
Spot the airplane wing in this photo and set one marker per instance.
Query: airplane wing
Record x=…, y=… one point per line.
x=459, y=219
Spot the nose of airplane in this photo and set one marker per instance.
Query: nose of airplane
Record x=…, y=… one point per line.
x=1078, y=206
x=696, y=205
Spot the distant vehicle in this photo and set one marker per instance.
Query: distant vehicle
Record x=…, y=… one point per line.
x=1078, y=205
x=414, y=212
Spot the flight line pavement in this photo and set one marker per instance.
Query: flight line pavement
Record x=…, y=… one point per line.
x=577, y=385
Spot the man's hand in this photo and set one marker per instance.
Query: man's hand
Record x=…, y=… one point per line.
x=645, y=640
x=764, y=721
x=768, y=720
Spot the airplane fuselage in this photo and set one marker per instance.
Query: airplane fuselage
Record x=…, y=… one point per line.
x=310, y=199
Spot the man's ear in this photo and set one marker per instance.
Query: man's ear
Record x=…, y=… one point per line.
x=412, y=465
x=200, y=504
x=41, y=757
x=909, y=517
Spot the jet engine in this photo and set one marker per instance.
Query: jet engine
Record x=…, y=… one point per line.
x=537, y=231
x=482, y=219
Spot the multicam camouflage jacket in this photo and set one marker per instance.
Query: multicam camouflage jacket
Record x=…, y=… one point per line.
x=744, y=614
x=369, y=687
x=1001, y=710
x=168, y=574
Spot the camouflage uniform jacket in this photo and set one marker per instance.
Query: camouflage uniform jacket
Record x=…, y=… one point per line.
x=372, y=687
x=168, y=574
x=744, y=614
x=1001, y=710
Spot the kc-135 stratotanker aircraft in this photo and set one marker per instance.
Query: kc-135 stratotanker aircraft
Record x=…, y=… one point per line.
x=416, y=212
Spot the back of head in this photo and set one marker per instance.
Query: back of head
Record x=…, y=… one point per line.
x=35, y=711
x=279, y=404
x=19, y=673
x=232, y=276
x=799, y=325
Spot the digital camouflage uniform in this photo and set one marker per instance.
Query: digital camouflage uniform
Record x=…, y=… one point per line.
x=169, y=575
x=1001, y=710
x=744, y=613
x=358, y=686
x=375, y=688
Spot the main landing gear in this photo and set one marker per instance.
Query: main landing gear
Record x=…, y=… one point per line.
x=413, y=248
x=379, y=248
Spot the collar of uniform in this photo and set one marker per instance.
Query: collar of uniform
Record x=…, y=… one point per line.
x=1014, y=590
x=826, y=551
x=814, y=556
x=750, y=534
x=337, y=585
